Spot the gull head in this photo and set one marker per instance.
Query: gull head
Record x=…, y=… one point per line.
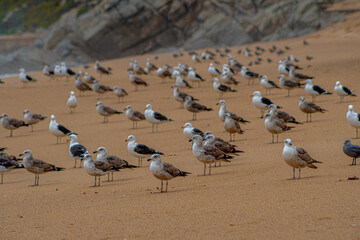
x=95, y=81
x=308, y=81
x=4, y=115
x=350, y=108
x=209, y=136
x=97, y=62
x=191, y=69
x=267, y=115
x=281, y=77
x=72, y=93
x=99, y=104
x=26, y=111
x=211, y=65
x=208, y=133
x=347, y=142
x=227, y=115
x=264, y=77
x=52, y=117
x=243, y=68
x=196, y=139
x=287, y=142
x=72, y=138
x=188, y=98
x=337, y=83
x=221, y=102
x=87, y=157
x=148, y=107
x=256, y=94
x=130, y=138
x=302, y=99
x=115, y=87
x=155, y=157
x=187, y=125
x=26, y=153
x=216, y=80
x=100, y=150
x=21, y=70
x=128, y=107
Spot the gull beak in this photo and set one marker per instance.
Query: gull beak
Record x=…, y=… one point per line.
x=149, y=159
x=251, y=95
x=67, y=140
x=124, y=109
x=217, y=103
x=21, y=154
x=95, y=151
x=126, y=140
x=190, y=140
x=182, y=126
x=18, y=70
x=144, y=108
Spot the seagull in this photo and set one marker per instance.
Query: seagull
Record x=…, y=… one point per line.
x=267, y=84
x=81, y=86
x=213, y=71
x=11, y=123
x=163, y=72
x=154, y=118
x=76, y=150
x=249, y=75
x=88, y=78
x=181, y=82
x=150, y=66
x=138, y=69
x=72, y=102
x=58, y=72
x=58, y=130
x=25, y=78
x=314, y=90
x=68, y=72
x=309, y=108
x=7, y=156
x=194, y=107
x=353, y=119
x=210, y=140
x=32, y=118
x=351, y=150
x=97, y=168
x=232, y=126
x=284, y=66
x=105, y=111
x=189, y=131
x=260, y=102
x=297, y=76
x=227, y=77
x=223, y=111
x=136, y=81
x=164, y=171
x=100, y=89
x=139, y=150
x=120, y=93
x=180, y=96
x=8, y=165
x=234, y=64
x=114, y=161
x=207, y=154
x=275, y=126
x=228, y=70
x=297, y=157
x=342, y=91
x=221, y=88
x=48, y=72
x=195, y=59
x=281, y=115
x=194, y=77
x=288, y=83
x=37, y=166
x=101, y=70
x=134, y=116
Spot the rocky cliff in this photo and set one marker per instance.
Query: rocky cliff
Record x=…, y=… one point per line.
x=116, y=28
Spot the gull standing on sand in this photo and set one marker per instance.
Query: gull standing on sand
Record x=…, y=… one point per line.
x=275, y=126
x=154, y=118
x=260, y=102
x=88, y=78
x=37, y=166
x=137, y=69
x=251, y=76
x=47, y=72
x=115, y=161
x=8, y=165
x=232, y=126
x=224, y=146
x=120, y=93
x=194, y=77
x=58, y=130
x=314, y=90
x=68, y=72
x=213, y=71
x=189, y=131
x=164, y=171
x=181, y=82
x=100, y=88
x=106, y=111
x=288, y=84
x=136, y=81
x=58, y=72
x=8, y=156
x=76, y=150
x=227, y=77
x=163, y=72
x=297, y=76
x=72, y=102
x=181, y=96
x=207, y=154
x=221, y=88
x=97, y=168
x=267, y=84
x=281, y=115
x=139, y=151
x=297, y=157
x=134, y=116
x=194, y=107
x=32, y=118
x=351, y=150
x=342, y=91
x=309, y=108
x=150, y=66
x=223, y=111
x=81, y=86
x=353, y=119
x=11, y=123
x=25, y=78
x=101, y=70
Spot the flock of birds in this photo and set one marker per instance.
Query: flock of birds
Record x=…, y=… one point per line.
x=206, y=147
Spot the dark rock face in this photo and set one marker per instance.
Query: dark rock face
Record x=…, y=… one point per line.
x=117, y=28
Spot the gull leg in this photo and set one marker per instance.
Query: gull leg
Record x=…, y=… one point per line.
x=209, y=169
x=141, y=162
x=35, y=180
x=310, y=117
x=152, y=127
x=75, y=163
x=161, y=188
x=293, y=173
x=80, y=163
x=220, y=164
x=38, y=179
x=272, y=138
x=99, y=181
x=204, y=169
x=166, y=185
x=2, y=177
x=215, y=164
x=108, y=177
x=11, y=133
x=32, y=128
x=112, y=176
x=288, y=92
x=277, y=138
x=299, y=172
x=353, y=161
x=157, y=126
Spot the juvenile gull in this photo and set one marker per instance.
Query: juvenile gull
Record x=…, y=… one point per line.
x=194, y=77
x=189, y=131
x=164, y=171
x=81, y=86
x=115, y=161
x=88, y=78
x=138, y=69
x=221, y=88
x=72, y=102
x=32, y=118
x=267, y=84
x=134, y=116
x=58, y=130
x=194, y=107
x=101, y=70
x=97, y=168
x=76, y=150
x=309, y=108
x=213, y=71
x=314, y=90
x=181, y=82
x=207, y=154
x=7, y=165
x=275, y=126
x=353, y=119
x=136, y=81
x=223, y=111
x=154, y=118
x=288, y=84
x=342, y=91
x=351, y=150
x=139, y=151
x=150, y=66
x=11, y=123
x=100, y=88
x=227, y=77
x=281, y=115
x=37, y=166
x=260, y=102
x=297, y=157
x=163, y=72
x=226, y=147
x=120, y=93
x=180, y=96
x=25, y=78
x=232, y=126
x=249, y=75
x=297, y=76
x=105, y=111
